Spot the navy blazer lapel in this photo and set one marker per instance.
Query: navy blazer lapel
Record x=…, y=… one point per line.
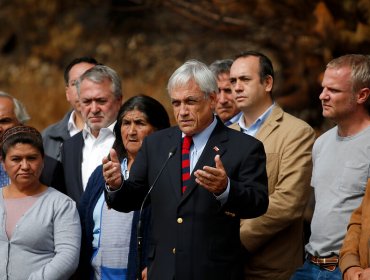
x=174, y=164
x=77, y=153
x=76, y=146
x=213, y=147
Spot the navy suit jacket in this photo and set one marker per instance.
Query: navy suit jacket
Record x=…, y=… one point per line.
x=52, y=174
x=193, y=236
x=72, y=160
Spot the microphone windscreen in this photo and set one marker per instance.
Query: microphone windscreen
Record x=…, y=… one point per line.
x=172, y=151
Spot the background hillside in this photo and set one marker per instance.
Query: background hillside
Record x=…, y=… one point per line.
x=145, y=41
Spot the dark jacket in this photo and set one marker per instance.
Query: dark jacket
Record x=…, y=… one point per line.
x=54, y=136
x=72, y=159
x=193, y=236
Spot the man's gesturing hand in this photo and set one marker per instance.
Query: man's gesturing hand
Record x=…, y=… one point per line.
x=214, y=179
x=112, y=170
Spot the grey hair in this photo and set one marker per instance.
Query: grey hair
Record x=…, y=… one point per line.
x=98, y=74
x=193, y=70
x=222, y=66
x=20, y=111
x=360, y=69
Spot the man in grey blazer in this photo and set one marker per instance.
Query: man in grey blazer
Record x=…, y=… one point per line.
x=226, y=108
x=195, y=231
x=54, y=135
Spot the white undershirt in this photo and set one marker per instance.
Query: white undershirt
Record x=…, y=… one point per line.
x=72, y=127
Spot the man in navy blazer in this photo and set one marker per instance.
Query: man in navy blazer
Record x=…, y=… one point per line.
x=100, y=94
x=72, y=160
x=195, y=234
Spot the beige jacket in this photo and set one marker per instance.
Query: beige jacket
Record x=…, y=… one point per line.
x=275, y=239
x=355, y=249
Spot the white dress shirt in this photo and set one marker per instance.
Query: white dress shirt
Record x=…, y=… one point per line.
x=95, y=149
x=72, y=127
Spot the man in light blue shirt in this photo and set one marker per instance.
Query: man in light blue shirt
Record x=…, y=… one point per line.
x=273, y=241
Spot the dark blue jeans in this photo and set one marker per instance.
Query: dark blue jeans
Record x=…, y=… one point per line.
x=310, y=271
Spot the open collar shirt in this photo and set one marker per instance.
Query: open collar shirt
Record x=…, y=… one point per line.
x=234, y=119
x=253, y=129
x=95, y=149
x=199, y=142
x=72, y=127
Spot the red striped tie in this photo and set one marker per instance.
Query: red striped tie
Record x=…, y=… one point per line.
x=185, y=162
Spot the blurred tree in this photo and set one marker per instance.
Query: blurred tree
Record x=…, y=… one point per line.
x=145, y=40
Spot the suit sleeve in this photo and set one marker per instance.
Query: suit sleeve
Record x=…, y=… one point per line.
x=290, y=191
x=349, y=253
x=248, y=196
x=130, y=196
x=53, y=174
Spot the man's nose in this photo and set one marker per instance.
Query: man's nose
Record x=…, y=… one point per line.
x=324, y=94
x=238, y=87
x=222, y=98
x=183, y=109
x=95, y=107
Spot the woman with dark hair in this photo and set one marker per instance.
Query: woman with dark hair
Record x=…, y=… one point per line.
x=41, y=232
x=109, y=239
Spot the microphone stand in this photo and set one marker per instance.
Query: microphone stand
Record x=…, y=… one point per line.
x=139, y=224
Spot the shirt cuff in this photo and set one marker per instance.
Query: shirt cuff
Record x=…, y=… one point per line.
x=109, y=190
x=222, y=198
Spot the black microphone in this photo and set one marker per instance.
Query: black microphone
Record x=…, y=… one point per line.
x=139, y=225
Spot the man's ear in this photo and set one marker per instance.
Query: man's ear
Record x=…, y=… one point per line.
x=67, y=93
x=269, y=81
x=363, y=95
x=213, y=97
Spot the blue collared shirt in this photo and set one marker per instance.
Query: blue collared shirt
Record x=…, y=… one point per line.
x=4, y=178
x=233, y=119
x=253, y=129
x=199, y=142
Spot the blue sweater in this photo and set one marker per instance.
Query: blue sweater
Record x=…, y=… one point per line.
x=94, y=189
